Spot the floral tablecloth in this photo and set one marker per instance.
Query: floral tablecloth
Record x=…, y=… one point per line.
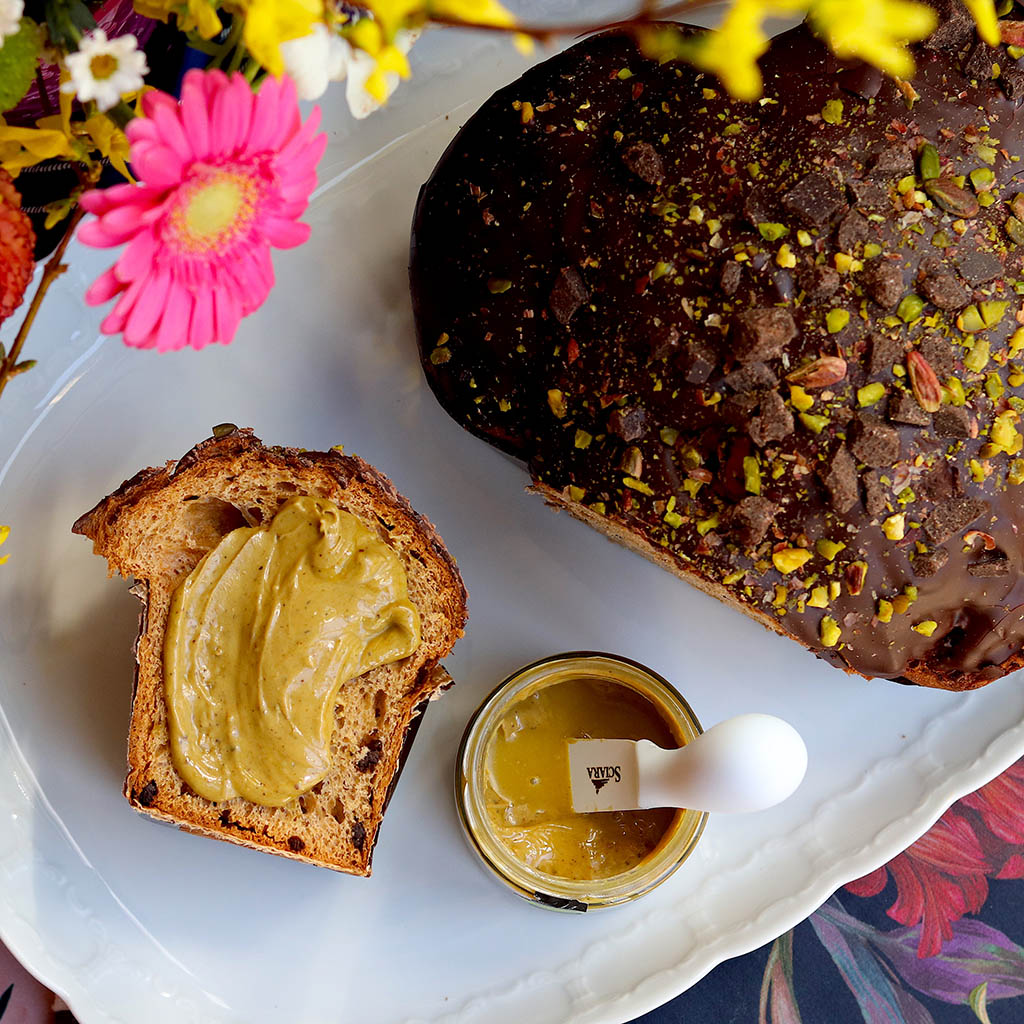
x=928, y=939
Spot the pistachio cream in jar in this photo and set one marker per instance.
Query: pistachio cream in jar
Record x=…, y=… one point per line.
x=263, y=634
x=513, y=790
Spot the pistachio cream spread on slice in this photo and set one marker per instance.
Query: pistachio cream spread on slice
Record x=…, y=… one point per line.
x=262, y=636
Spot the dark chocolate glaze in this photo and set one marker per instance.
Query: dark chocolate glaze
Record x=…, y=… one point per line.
x=576, y=288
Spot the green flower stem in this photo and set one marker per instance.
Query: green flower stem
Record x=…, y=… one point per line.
x=229, y=44
x=252, y=70
x=9, y=366
x=121, y=114
x=241, y=52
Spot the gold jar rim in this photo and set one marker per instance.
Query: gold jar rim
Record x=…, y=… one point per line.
x=538, y=887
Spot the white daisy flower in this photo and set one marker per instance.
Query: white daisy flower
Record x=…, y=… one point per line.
x=360, y=65
x=11, y=12
x=316, y=60
x=105, y=69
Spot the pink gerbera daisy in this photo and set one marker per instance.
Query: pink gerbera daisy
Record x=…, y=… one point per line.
x=223, y=175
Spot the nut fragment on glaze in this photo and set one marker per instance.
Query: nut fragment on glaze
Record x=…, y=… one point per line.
x=680, y=255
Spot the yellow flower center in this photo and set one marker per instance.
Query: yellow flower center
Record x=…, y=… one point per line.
x=102, y=66
x=213, y=208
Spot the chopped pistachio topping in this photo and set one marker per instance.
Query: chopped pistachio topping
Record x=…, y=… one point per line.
x=895, y=527
x=870, y=394
x=828, y=549
x=829, y=631
x=884, y=610
x=925, y=628
x=790, y=559
x=836, y=320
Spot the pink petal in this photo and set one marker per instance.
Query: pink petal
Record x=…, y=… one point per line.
x=104, y=288
x=125, y=304
x=137, y=257
x=172, y=332
x=99, y=234
x=171, y=133
x=200, y=328
x=264, y=118
x=113, y=323
x=147, y=310
x=282, y=233
x=155, y=101
x=158, y=165
x=195, y=116
x=226, y=120
x=226, y=315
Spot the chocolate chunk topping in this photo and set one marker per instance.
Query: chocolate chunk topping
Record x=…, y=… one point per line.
x=567, y=295
x=147, y=795
x=295, y=844
x=731, y=276
x=1011, y=80
x=761, y=205
x=816, y=201
x=955, y=28
x=952, y=516
x=903, y=408
x=928, y=563
x=980, y=59
x=839, y=475
x=939, y=354
x=629, y=423
x=853, y=230
x=936, y=484
x=978, y=268
x=762, y=334
x=990, y=566
x=751, y=519
x=818, y=282
x=873, y=442
x=886, y=352
x=774, y=422
x=752, y=377
x=952, y=421
x=874, y=493
x=358, y=835
x=894, y=161
x=883, y=280
x=663, y=339
x=369, y=760
x=942, y=289
x=698, y=360
x=644, y=161
x=869, y=196
x=862, y=80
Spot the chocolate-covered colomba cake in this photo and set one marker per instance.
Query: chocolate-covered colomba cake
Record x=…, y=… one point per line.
x=776, y=347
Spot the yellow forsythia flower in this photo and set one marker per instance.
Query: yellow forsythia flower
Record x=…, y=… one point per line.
x=269, y=23
x=731, y=51
x=984, y=12
x=874, y=30
x=24, y=147
x=476, y=12
x=195, y=15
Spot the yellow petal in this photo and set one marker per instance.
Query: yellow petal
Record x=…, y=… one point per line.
x=984, y=13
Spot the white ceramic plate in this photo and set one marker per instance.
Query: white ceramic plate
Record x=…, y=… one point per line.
x=131, y=921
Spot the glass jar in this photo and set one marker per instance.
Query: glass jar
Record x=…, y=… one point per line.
x=539, y=887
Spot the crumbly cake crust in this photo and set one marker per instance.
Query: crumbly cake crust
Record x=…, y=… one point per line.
x=775, y=346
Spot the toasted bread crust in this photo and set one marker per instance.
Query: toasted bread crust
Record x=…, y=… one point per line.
x=156, y=527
